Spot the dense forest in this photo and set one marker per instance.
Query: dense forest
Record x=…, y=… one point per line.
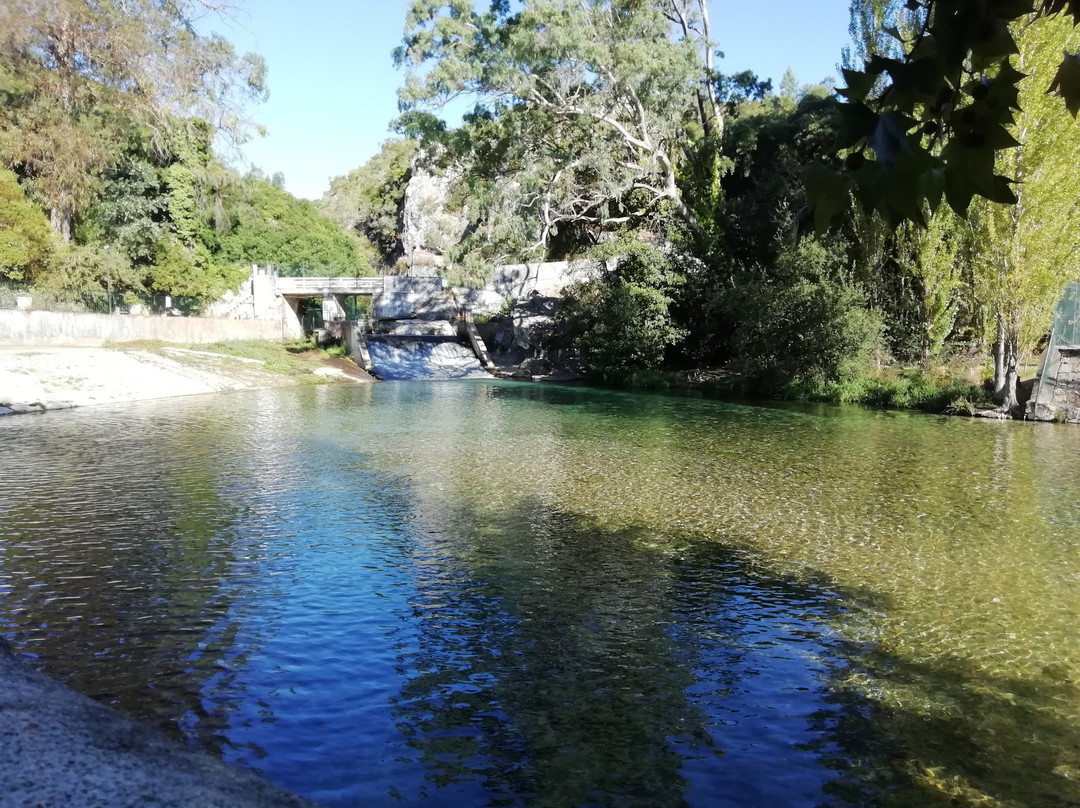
x=112, y=117
x=892, y=240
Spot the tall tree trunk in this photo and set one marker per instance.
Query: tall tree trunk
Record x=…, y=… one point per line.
x=1007, y=367
x=1012, y=384
x=1000, y=371
x=710, y=70
x=62, y=219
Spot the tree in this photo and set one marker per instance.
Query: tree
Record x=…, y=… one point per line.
x=927, y=125
x=598, y=93
x=1026, y=253
x=25, y=241
x=621, y=322
x=789, y=86
x=369, y=198
x=271, y=226
x=78, y=75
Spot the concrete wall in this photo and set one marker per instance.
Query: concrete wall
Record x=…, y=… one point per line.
x=415, y=298
x=91, y=330
x=546, y=279
x=401, y=298
x=1057, y=390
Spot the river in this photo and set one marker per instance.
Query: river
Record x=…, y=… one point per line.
x=481, y=593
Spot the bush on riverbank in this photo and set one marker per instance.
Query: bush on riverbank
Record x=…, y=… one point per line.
x=944, y=389
x=899, y=389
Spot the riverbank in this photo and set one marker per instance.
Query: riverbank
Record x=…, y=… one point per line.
x=62, y=748
x=956, y=388
x=48, y=378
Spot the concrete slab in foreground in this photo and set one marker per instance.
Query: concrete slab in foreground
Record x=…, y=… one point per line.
x=58, y=748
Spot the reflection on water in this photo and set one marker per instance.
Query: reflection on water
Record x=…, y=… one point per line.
x=508, y=594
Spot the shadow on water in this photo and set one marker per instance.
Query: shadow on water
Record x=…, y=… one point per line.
x=960, y=737
x=367, y=643
x=559, y=664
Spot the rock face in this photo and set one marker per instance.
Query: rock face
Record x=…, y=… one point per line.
x=428, y=230
x=528, y=342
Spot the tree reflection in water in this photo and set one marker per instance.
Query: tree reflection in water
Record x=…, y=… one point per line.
x=561, y=665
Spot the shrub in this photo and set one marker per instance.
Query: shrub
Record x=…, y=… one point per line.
x=805, y=331
x=26, y=242
x=620, y=323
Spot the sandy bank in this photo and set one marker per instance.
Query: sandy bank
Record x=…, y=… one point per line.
x=54, y=378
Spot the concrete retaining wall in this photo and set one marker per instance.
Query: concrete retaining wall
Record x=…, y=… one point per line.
x=39, y=328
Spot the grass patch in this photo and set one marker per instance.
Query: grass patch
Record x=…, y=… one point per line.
x=939, y=390
x=292, y=358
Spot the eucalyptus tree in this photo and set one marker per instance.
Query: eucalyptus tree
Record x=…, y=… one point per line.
x=594, y=98
x=76, y=76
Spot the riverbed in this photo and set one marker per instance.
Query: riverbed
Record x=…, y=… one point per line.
x=474, y=593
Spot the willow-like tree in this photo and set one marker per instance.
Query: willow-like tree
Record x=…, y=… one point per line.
x=1027, y=252
x=75, y=77
x=599, y=93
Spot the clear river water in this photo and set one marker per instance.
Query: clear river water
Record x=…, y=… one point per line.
x=489, y=594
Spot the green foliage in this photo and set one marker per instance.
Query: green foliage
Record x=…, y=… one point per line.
x=369, y=198
x=769, y=147
x=898, y=390
x=90, y=269
x=1024, y=255
x=596, y=95
x=193, y=271
x=930, y=122
x=621, y=322
x=81, y=76
x=805, y=329
x=25, y=240
x=129, y=213
x=271, y=226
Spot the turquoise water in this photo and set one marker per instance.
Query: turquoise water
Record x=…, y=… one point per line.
x=477, y=593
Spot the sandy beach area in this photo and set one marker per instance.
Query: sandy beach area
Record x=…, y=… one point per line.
x=38, y=379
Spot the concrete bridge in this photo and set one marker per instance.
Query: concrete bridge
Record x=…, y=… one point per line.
x=313, y=287
x=331, y=290
x=269, y=296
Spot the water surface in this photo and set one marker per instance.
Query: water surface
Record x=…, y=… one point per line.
x=478, y=593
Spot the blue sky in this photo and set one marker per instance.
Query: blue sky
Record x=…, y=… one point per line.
x=333, y=84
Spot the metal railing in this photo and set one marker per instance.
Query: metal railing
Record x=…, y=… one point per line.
x=324, y=284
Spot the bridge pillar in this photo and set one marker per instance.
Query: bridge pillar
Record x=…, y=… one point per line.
x=291, y=325
x=333, y=308
x=263, y=292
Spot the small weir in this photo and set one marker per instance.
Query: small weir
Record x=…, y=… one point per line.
x=405, y=358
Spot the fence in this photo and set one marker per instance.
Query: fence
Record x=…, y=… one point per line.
x=98, y=301
x=1066, y=332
